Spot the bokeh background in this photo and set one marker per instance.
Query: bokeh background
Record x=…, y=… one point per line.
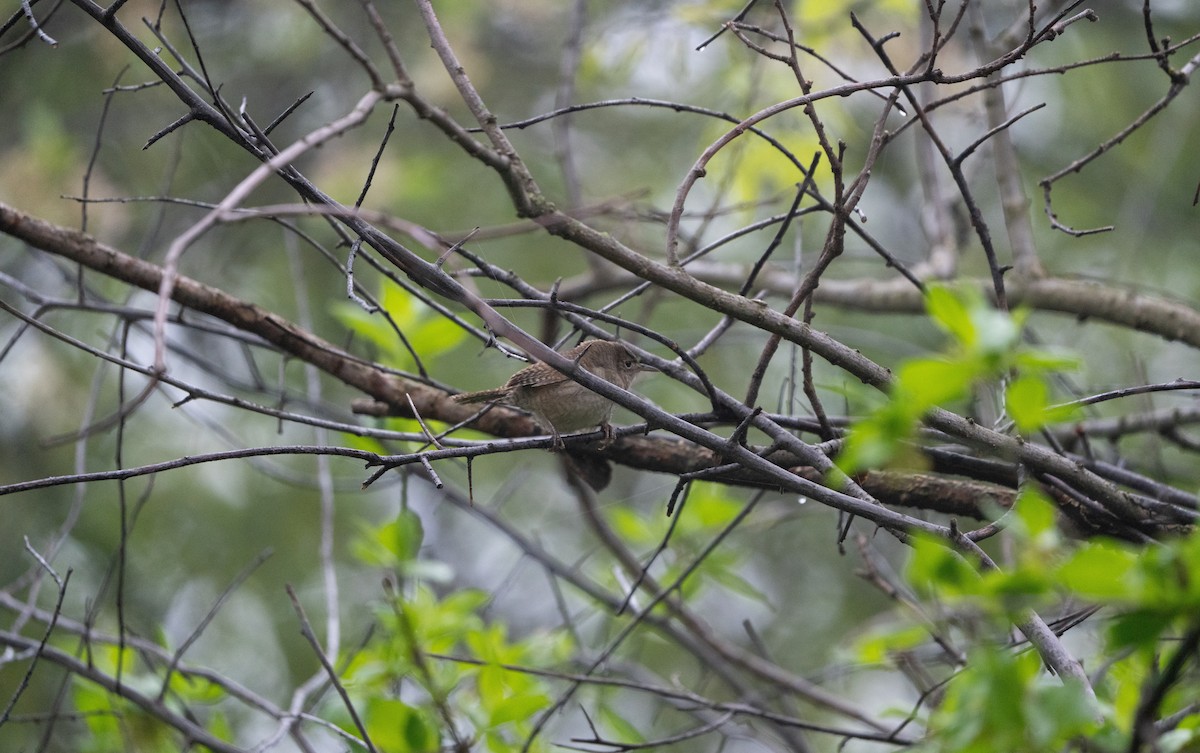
x=193, y=530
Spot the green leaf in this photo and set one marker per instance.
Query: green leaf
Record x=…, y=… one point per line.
x=420, y=733
x=924, y=383
x=391, y=544
x=710, y=506
x=949, y=310
x=491, y=686
x=1100, y=571
x=868, y=446
x=1056, y=714
x=465, y=602
x=982, y=709
x=407, y=534
x=487, y=643
x=428, y=332
x=1042, y=361
x=394, y=725
x=978, y=328
x=934, y=568
x=1028, y=402
x=428, y=570
x=878, y=439
x=366, y=444
x=1027, y=398
x=635, y=528
x=1019, y=582
x=997, y=332
x=876, y=647
x=518, y=708
x=1141, y=629
x=1034, y=517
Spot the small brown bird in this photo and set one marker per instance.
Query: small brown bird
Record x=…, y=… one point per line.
x=560, y=403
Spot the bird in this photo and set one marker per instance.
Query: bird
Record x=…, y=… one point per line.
x=558, y=402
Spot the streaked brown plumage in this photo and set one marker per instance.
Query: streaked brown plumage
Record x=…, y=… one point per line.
x=558, y=402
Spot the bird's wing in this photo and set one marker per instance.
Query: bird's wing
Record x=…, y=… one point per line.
x=535, y=376
x=541, y=374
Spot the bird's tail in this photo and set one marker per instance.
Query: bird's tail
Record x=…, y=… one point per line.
x=482, y=396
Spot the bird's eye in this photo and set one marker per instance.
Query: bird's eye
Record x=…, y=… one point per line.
x=629, y=363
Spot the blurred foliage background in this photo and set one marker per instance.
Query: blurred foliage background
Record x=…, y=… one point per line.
x=192, y=531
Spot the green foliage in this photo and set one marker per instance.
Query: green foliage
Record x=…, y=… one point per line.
x=396, y=725
x=1003, y=699
x=428, y=332
x=707, y=510
x=984, y=346
x=1003, y=702
x=1164, y=578
x=433, y=664
x=395, y=546
x=116, y=724
x=434, y=667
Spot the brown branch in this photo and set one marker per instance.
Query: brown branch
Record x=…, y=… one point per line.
x=1096, y=300
x=246, y=316
x=388, y=389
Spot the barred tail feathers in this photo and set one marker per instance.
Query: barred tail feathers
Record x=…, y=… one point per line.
x=483, y=396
